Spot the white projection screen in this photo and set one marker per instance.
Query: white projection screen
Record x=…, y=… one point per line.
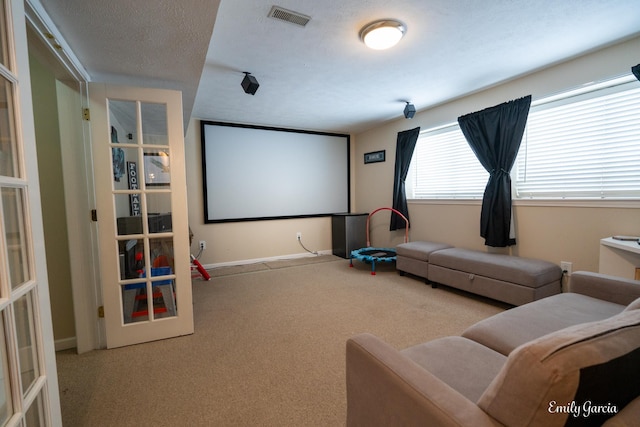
x=256, y=173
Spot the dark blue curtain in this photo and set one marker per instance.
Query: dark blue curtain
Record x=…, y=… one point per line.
x=494, y=135
x=405, y=145
x=636, y=71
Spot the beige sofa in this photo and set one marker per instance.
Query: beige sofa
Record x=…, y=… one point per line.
x=568, y=359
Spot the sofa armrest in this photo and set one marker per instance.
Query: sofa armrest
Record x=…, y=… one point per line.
x=605, y=287
x=385, y=388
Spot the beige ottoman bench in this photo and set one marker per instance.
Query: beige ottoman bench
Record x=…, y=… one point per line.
x=511, y=279
x=413, y=257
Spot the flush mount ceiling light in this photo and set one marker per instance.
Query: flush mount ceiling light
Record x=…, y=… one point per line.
x=382, y=34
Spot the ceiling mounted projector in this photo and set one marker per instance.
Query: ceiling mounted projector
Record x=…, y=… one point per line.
x=250, y=84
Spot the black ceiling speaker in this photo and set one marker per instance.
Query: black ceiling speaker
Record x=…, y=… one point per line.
x=636, y=71
x=249, y=84
x=409, y=111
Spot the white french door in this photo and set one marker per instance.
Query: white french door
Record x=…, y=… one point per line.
x=28, y=380
x=141, y=198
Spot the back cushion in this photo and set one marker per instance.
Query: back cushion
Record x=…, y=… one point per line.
x=605, y=384
x=581, y=375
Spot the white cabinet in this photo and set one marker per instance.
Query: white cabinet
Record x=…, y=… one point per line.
x=619, y=258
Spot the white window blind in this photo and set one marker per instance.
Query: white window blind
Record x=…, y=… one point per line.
x=583, y=147
x=577, y=145
x=445, y=167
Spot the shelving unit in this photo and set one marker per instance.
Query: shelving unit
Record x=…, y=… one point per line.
x=619, y=258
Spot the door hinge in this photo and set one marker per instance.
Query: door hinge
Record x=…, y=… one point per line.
x=94, y=215
x=86, y=114
x=101, y=311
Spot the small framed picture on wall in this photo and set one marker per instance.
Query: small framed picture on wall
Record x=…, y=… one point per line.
x=374, y=157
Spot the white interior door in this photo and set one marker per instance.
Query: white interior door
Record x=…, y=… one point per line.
x=141, y=199
x=28, y=380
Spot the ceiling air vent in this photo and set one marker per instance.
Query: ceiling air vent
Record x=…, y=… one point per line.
x=288, y=16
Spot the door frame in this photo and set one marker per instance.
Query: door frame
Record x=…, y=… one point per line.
x=75, y=136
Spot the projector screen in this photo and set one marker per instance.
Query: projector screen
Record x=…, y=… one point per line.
x=256, y=173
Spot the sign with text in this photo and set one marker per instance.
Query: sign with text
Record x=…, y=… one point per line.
x=134, y=184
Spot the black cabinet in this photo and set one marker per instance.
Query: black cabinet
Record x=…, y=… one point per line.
x=348, y=232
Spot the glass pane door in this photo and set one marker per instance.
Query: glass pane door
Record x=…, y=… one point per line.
x=140, y=177
x=142, y=199
x=28, y=381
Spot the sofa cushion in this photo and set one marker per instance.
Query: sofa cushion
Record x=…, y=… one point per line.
x=505, y=331
x=419, y=250
x=528, y=272
x=551, y=380
x=464, y=365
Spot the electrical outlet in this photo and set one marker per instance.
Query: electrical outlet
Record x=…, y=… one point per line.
x=299, y=235
x=203, y=244
x=566, y=266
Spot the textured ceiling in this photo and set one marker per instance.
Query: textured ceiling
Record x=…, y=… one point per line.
x=321, y=77
x=148, y=43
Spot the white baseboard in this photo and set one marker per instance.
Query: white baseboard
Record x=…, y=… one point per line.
x=269, y=259
x=66, y=344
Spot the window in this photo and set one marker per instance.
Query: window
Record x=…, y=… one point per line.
x=444, y=167
x=577, y=145
x=582, y=147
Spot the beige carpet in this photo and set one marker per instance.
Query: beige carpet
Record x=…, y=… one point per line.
x=268, y=349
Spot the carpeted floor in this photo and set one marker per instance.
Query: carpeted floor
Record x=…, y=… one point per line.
x=268, y=349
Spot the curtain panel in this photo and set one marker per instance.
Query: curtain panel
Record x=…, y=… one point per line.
x=636, y=71
x=405, y=145
x=494, y=135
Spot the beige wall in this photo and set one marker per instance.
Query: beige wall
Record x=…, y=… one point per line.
x=554, y=233
x=45, y=112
